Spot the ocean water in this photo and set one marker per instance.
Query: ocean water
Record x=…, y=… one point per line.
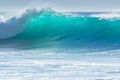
x=48, y=45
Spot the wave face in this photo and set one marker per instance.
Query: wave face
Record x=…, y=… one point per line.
x=47, y=28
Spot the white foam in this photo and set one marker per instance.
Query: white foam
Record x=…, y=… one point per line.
x=107, y=15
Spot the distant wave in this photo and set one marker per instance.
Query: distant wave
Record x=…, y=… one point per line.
x=49, y=28
x=107, y=15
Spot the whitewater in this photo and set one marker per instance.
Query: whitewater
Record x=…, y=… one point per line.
x=50, y=45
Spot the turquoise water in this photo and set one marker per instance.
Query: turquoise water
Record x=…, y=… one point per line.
x=48, y=45
x=49, y=28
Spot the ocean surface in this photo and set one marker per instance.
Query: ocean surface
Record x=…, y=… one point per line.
x=50, y=45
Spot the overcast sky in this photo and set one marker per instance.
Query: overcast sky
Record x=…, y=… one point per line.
x=62, y=5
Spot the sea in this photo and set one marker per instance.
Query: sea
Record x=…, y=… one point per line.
x=51, y=45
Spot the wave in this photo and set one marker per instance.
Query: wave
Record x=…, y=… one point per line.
x=107, y=15
x=47, y=28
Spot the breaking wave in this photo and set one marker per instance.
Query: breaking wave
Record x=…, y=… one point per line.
x=52, y=29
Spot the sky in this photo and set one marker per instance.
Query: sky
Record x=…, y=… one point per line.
x=62, y=5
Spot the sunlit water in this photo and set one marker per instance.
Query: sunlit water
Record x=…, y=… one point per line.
x=52, y=64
